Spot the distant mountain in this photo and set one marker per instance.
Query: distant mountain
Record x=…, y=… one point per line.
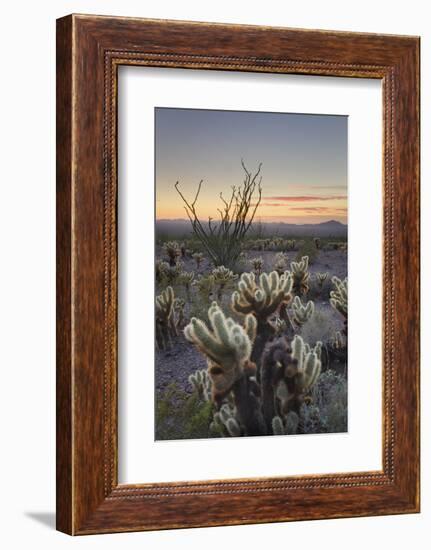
x=181, y=228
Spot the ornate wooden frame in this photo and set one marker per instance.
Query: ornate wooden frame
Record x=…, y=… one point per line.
x=89, y=51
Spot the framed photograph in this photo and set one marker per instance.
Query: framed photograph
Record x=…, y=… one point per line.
x=237, y=274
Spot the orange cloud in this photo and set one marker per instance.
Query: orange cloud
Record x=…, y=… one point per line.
x=305, y=198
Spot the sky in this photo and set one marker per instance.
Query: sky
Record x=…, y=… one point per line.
x=304, y=162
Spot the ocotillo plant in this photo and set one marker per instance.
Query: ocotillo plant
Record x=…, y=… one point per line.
x=222, y=241
x=301, y=276
x=339, y=298
x=223, y=277
x=198, y=257
x=321, y=278
x=165, y=323
x=257, y=264
x=301, y=312
x=172, y=250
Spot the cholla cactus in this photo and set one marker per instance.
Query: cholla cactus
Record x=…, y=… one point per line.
x=172, y=250
x=279, y=325
x=222, y=277
x=287, y=425
x=185, y=278
x=198, y=257
x=301, y=312
x=227, y=346
x=300, y=276
x=302, y=369
x=339, y=296
x=321, y=278
x=165, y=323
x=205, y=285
x=225, y=422
x=280, y=263
x=337, y=341
x=290, y=244
x=257, y=264
x=263, y=298
x=201, y=383
x=183, y=250
x=317, y=242
x=162, y=269
x=179, y=305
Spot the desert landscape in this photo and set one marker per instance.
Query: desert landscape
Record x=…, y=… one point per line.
x=251, y=288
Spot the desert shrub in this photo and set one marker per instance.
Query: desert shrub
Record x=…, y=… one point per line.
x=182, y=416
x=327, y=410
x=330, y=396
x=320, y=327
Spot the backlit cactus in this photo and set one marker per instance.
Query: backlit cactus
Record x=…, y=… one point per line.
x=225, y=422
x=338, y=341
x=205, y=285
x=339, y=298
x=172, y=250
x=257, y=264
x=300, y=276
x=185, y=278
x=165, y=322
x=179, y=305
x=162, y=269
x=287, y=425
x=227, y=346
x=222, y=277
x=264, y=297
x=302, y=313
x=201, y=383
x=308, y=362
x=321, y=278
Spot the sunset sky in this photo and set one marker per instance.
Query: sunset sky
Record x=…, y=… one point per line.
x=304, y=162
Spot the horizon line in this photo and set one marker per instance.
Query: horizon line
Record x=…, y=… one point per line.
x=255, y=221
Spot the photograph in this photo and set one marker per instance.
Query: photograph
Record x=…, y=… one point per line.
x=251, y=281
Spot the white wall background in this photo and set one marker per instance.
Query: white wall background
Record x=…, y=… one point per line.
x=27, y=280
